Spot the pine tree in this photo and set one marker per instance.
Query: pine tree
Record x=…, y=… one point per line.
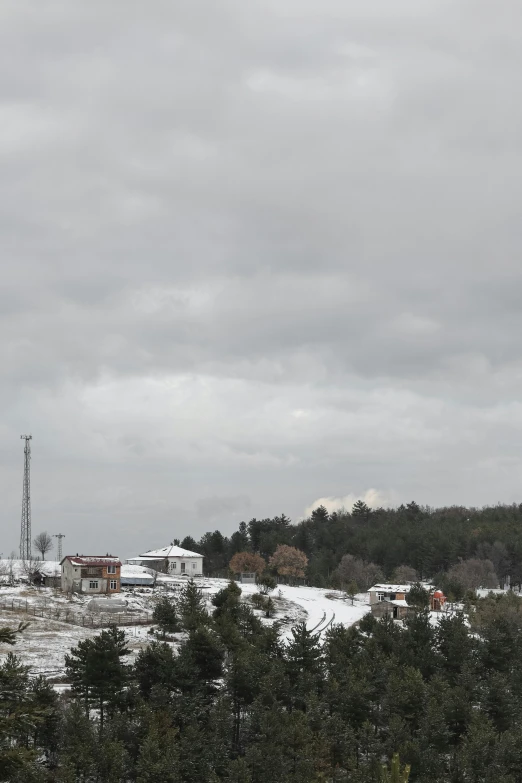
x=8, y=635
x=351, y=590
x=454, y=644
x=305, y=666
x=418, y=597
x=45, y=734
x=192, y=607
x=406, y=695
x=200, y=660
x=159, y=753
x=155, y=667
x=79, y=745
x=20, y=717
x=304, y=652
x=226, y=602
x=96, y=670
x=499, y=701
x=361, y=511
x=395, y=774
x=166, y=616
x=478, y=755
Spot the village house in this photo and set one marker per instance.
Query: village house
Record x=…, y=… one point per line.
x=171, y=560
x=390, y=600
x=92, y=574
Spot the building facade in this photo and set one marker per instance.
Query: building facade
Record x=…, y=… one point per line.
x=91, y=574
x=391, y=600
x=172, y=560
x=383, y=592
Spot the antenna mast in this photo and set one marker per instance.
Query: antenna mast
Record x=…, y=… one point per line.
x=25, y=528
x=59, y=536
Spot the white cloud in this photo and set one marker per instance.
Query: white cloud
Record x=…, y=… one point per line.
x=258, y=261
x=374, y=498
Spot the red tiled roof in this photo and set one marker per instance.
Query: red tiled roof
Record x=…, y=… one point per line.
x=93, y=560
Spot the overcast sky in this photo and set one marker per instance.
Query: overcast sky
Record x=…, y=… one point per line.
x=255, y=254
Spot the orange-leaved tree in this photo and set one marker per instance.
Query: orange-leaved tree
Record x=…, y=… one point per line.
x=289, y=561
x=244, y=562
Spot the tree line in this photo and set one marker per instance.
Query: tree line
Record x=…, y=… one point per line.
x=482, y=546
x=236, y=702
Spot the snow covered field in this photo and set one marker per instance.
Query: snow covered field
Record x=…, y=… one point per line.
x=318, y=610
x=43, y=645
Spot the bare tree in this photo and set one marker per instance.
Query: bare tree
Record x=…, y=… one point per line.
x=404, y=573
x=474, y=573
x=353, y=569
x=499, y=556
x=11, y=567
x=33, y=570
x=43, y=543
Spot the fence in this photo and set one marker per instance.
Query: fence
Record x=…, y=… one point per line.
x=67, y=615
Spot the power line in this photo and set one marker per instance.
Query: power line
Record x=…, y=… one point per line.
x=25, y=527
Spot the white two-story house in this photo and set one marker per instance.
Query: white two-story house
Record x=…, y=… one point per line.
x=91, y=574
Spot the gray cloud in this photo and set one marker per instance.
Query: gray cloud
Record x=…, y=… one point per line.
x=255, y=255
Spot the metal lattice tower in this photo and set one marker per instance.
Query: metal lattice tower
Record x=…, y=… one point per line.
x=59, y=536
x=25, y=529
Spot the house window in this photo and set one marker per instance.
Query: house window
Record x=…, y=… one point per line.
x=173, y=566
x=93, y=584
x=183, y=568
x=113, y=584
x=111, y=569
x=91, y=571
x=380, y=596
x=193, y=566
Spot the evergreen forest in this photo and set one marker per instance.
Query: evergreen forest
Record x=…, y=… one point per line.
x=429, y=541
x=424, y=703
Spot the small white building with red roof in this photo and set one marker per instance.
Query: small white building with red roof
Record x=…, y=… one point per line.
x=92, y=574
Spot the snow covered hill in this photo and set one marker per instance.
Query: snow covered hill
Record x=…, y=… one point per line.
x=44, y=644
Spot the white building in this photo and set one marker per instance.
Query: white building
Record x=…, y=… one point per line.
x=171, y=559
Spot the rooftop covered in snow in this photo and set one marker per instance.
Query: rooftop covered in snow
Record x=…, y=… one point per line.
x=166, y=551
x=390, y=588
x=93, y=560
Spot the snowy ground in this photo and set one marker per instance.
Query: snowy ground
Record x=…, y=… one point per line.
x=43, y=645
x=318, y=608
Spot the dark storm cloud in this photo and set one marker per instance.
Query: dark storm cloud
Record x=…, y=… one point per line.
x=257, y=253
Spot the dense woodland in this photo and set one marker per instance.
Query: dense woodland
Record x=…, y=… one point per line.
x=430, y=541
x=235, y=704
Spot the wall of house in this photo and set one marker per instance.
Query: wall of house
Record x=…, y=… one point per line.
x=86, y=582
x=102, y=577
x=76, y=578
x=71, y=576
x=390, y=596
x=381, y=608
x=193, y=566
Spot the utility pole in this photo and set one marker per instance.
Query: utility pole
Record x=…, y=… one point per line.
x=25, y=528
x=59, y=536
